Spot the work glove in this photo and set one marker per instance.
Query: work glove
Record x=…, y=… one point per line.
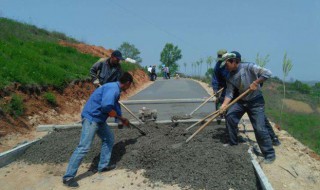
x=96, y=82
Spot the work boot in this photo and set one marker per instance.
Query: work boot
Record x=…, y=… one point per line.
x=219, y=121
x=241, y=139
x=108, y=168
x=276, y=142
x=269, y=160
x=70, y=183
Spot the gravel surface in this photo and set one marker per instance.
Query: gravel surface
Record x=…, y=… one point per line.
x=203, y=163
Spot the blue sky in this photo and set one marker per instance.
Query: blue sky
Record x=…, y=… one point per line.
x=199, y=28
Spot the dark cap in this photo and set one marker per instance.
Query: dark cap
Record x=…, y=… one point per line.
x=117, y=54
x=238, y=55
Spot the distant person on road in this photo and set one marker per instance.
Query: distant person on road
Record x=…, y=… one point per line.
x=150, y=71
x=219, y=81
x=107, y=70
x=164, y=71
x=153, y=73
x=168, y=72
x=242, y=77
x=103, y=102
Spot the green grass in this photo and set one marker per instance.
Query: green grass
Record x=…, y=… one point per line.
x=43, y=63
x=304, y=127
x=15, y=107
x=50, y=98
x=29, y=55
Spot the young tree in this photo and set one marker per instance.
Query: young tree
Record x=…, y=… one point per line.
x=191, y=69
x=209, y=62
x=185, y=67
x=201, y=61
x=209, y=74
x=262, y=61
x=130, y=51
x=286, y=68
x=170, y=55
x=198, y=64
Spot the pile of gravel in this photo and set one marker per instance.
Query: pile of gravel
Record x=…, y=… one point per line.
x=203, y=163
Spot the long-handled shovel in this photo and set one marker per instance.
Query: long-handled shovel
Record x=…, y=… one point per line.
x=134, y=126
x=205, y=102
x=217, y=114
x=126, y=108
x=188, y=116
x=140, y=131
x=203, y=119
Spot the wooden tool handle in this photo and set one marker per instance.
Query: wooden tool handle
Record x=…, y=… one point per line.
x=216, y=115
x=205, y=101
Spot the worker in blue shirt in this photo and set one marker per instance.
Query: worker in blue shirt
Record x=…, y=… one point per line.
x=103, y=102
x=219, y=81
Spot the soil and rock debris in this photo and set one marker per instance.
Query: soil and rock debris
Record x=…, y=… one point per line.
x=203, y=163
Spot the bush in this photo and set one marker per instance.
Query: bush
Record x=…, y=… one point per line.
x=16, y=106
x=50, y=98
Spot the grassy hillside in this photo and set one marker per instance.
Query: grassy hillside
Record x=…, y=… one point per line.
x=303, y=126
x=29, y=55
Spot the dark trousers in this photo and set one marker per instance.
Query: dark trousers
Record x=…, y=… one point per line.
x=255, y=111
x=269, y=128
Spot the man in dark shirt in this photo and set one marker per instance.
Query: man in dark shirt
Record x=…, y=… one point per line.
x=107, y=70
x=218, y=80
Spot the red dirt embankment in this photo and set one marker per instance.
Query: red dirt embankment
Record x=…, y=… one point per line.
x=70, y=101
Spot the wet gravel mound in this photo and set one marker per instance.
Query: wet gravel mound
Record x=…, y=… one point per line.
x=203, y=163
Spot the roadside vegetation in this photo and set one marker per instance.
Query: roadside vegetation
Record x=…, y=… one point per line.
x=31, y=57
x=305, y=126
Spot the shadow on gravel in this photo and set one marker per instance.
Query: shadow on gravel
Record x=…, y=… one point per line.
x=119, y=149
x=203, y=163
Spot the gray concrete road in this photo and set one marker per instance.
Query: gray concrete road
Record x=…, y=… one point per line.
x=172, y=89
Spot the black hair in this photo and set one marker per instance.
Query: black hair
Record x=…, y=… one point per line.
x=126, y=77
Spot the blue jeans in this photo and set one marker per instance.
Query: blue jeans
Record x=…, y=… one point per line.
x=255, y=111
x=89, y=129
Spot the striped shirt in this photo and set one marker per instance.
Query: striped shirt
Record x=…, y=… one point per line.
x=241, y=79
